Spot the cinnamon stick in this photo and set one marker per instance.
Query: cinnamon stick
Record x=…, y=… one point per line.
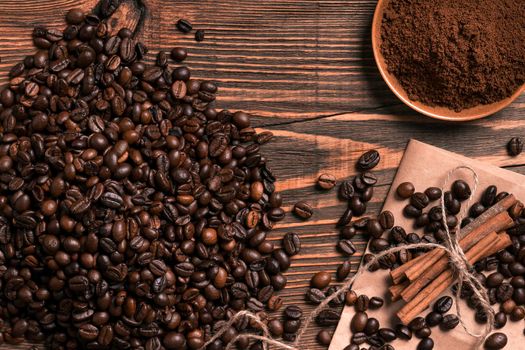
x=438, y=267
x=426, y=260
x=396, y=289
x=413, y=308
x=497, y=223
x=398, y=274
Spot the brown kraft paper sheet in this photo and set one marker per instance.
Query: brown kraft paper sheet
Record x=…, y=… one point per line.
x=425, y=166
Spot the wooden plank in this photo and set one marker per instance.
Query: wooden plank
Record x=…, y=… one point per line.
x=306, y=70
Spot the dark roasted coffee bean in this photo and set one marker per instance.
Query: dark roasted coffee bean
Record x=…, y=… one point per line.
x=346, y=190
x=293, y=312
x=386, y=219
x=184, y=26
x=291, y=243
x=387, y=334
x=362, y=303
x=433, y=193
x=500, y=320
x=419, y=200
x=326, y=181
x=199, y=35
x=411, y=212
x=515, y=146
x=324, y=337
x=346, y=247
x=178, y=54
x=403, y=332
x=433, y=318
x=489, y=196
x=417, y=323
x=374, y=228
x=315, y=295
x=303, y=210
x=346, y=218
x=328, y=317
x=357, y=206
x=449, y=322
x=376, y=303
x=496, y=341
x=372, y=326
x=461, y=190
x=443, y=304
x=425, y=344
x=368, y=160
x=343, y=270
x=359, y=322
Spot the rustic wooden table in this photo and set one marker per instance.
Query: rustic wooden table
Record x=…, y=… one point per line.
x=305, y=69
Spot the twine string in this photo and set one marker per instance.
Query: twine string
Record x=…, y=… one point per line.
x=457, y=259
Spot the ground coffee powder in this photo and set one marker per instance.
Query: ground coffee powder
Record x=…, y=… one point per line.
x=456, y=54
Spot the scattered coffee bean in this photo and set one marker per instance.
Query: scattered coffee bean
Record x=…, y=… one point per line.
x=321, y=280
x=515, y=146
x=343, y=270
x=405, y=190
x=449, y=322
x=461, y=190
x=324, y=337
x=303, y=210
x=199, y=35
x=496, y=341
x=368, y=160
x=425, y=344
x=443, y=304
x=326, y=181
x=184, y=26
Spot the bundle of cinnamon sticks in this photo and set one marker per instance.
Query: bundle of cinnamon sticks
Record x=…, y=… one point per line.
x=420, y=281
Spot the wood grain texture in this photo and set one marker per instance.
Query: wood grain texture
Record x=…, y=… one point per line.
x=305, y=69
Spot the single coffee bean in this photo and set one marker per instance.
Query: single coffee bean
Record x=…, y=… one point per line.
x=346, y=218
x=184, y=26
x=293, y=312
x=321, y=280
x=358, y=322
x=368, y=160
x=178, y=54
x=343, y=270
x=326, y=181
x=403, y=332
x=362, y=303
x=417, y=323
x=346, y=247
x=199, y=35
x=350, y=298
x=433, y=193
x=405, y=190
x=346, y=190
x=449, y=322
x=500, y=320
x=411, y=212
x=433, y=319
x=376, y=303
x=489, y=196
x=425, y=344
x=328, y=317
x=357, y=206
x=387, y=334
x=315, y=295
x=372, y=326
x=303, y=210
x=324, y=337
x=386, y=219
x=424, y=332
x=515, y=146
x=291, y=243
x=496, y=341
x=419, y=200
x=443, y=304
x=276, y=328
x=461, y=190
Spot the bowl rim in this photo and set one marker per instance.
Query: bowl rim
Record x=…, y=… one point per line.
x=390, y=79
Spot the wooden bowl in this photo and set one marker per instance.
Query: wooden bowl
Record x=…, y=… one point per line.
x=442, y=113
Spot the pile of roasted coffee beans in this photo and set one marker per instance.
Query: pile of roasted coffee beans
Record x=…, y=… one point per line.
x=133, y=214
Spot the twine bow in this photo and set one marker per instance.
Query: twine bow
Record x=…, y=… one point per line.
x=457, y=259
